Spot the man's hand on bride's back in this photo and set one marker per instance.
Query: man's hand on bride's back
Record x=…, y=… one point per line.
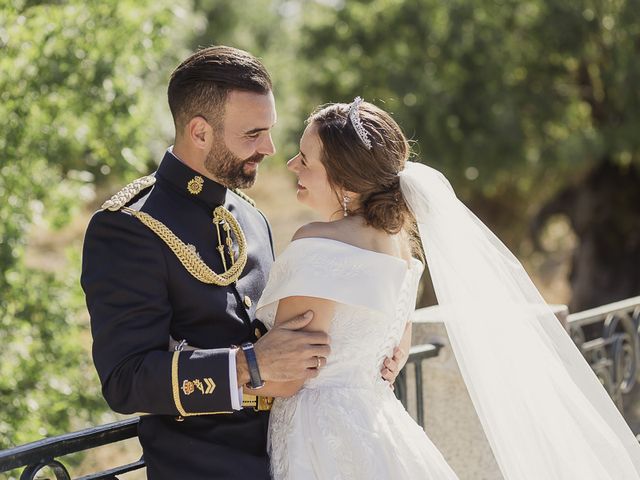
x=392, y=365
x=287, y=352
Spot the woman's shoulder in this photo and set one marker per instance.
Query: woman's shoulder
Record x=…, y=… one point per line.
x=313, y=230
x=355, y=233
x=346, y=231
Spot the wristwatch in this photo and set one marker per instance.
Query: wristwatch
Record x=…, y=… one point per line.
x=256, y=381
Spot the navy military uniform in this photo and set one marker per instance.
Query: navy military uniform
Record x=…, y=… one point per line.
x=141, y=287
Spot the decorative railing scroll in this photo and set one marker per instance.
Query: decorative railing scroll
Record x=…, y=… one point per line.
x=609, y=338
x=42, y=454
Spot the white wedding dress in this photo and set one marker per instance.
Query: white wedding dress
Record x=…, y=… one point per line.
x=347, y=423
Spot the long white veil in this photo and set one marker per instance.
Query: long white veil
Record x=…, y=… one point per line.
x=543, y=410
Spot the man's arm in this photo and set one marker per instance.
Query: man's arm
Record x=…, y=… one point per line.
x=124, y=277
x=390, y=369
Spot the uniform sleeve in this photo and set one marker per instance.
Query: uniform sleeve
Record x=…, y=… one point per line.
x=125, y=280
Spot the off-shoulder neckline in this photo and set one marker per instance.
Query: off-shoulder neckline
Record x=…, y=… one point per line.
x=407, y=265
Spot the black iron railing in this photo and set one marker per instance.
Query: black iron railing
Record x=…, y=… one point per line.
x=417, y=355
x=37, y=456
x=609, y=338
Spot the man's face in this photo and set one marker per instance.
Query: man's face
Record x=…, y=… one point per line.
x=244, y=139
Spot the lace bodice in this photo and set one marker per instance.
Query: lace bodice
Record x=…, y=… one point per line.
x=375, y=295
x=346, y=423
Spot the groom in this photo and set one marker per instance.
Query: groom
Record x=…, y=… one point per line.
x=182, y=254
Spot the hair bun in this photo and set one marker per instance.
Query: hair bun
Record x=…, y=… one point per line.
x=386, y=209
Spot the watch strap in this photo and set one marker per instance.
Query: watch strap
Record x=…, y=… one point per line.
x=255, y=380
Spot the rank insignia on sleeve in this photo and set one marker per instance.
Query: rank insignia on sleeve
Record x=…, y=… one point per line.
x=187, y=387
x=210, y=385
x=198, y=385
x=190, y=386
x=183, y=389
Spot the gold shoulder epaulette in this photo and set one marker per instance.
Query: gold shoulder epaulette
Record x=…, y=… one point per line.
x=245, y=197
x=124, y=196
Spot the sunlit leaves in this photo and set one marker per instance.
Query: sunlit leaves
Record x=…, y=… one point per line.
x=505, y=96
x=79, y=89
x=479, y=80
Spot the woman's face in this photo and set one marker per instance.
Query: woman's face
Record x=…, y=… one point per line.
x=314, y=189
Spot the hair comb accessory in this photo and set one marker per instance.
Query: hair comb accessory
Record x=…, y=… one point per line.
x=354, y=116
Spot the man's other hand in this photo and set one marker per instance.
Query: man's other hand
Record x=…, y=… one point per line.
x=287, y=353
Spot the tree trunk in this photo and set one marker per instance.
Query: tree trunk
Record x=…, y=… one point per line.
x=604, y=212
x=427, y=296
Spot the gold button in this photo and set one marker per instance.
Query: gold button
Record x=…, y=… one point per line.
x=257, y=333
x=247, y=301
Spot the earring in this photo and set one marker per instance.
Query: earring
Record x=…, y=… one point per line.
x=345, y=201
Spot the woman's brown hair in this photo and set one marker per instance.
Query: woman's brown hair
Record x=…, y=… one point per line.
x=370, y=172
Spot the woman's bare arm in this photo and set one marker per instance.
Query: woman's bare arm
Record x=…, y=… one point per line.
x=290, y=307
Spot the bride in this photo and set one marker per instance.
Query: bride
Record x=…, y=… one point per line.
x=543, y=410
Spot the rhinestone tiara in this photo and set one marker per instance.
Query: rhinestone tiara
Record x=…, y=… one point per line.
x=354, y=117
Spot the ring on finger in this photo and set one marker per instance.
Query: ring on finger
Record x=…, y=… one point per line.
x=318, y=363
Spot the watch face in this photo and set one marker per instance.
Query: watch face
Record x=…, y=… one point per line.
x=246, y=345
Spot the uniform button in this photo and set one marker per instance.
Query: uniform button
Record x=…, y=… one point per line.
x=247, y=301
x=257, y=333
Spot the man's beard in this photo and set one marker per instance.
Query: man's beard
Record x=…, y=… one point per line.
x=228, y=169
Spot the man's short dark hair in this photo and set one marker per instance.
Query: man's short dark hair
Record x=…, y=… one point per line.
x=200, y=84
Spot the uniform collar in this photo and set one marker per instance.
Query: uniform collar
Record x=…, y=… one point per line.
x=189, y=182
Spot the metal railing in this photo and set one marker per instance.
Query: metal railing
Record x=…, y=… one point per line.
x=417, y=355
x=37, y=456
x=608, y=336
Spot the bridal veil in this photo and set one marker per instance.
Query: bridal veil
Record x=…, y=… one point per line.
x=544, y=411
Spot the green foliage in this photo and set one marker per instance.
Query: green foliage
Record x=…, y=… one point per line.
x=47, y=382
x=509, y=97
x=79, y=83
x=269, y=29
x=78, y=98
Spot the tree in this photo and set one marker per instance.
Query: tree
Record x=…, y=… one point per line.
x=514, y=100
x=270, y=31
x=78, y=83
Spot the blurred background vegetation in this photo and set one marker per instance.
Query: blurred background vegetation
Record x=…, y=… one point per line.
x=530, y=107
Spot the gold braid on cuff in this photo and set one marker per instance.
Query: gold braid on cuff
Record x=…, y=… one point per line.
x=190, y=259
